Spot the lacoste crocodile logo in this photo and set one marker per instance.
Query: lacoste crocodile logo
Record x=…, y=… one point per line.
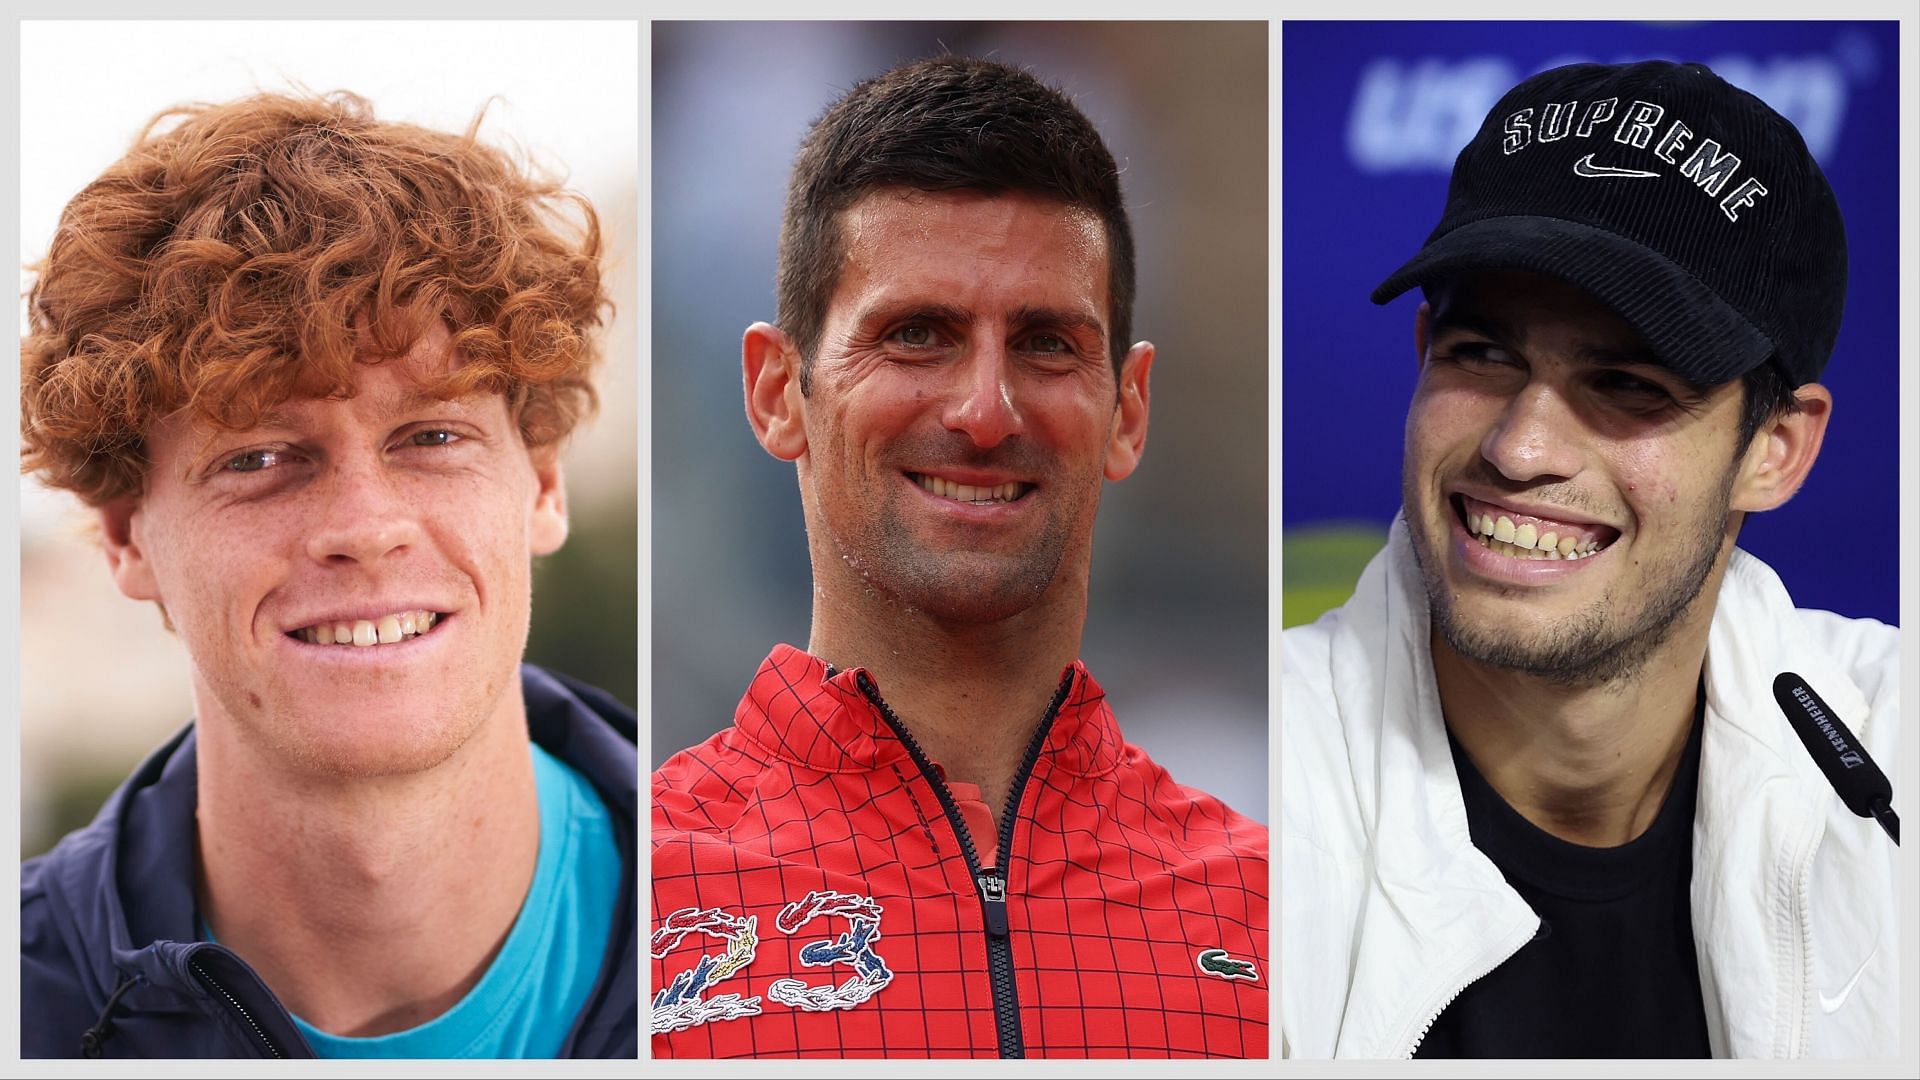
x=1217, y=962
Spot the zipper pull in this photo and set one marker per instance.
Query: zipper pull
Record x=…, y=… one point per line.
x=993, y=900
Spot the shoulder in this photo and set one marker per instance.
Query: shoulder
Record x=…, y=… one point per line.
x=58, y=994
x=1759, y=628
x=704, y=789
x=1196, y=823
x=1868, y=649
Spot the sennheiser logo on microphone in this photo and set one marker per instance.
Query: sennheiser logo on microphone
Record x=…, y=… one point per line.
x=1848, y=755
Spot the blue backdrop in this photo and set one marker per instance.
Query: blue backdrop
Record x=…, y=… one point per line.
x=1372, y=117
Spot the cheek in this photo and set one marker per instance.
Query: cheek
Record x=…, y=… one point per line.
x=1435, y=421
x=1070, y=416
x=203, y=577
x=1647, y=473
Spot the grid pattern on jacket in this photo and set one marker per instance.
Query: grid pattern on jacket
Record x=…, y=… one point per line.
x=1118, y=880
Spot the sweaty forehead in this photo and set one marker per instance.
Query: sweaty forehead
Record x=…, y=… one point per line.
x=902, y=213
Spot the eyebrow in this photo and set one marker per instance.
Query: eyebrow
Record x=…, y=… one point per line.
x=891, y=312
x=400, y=402
x=1024, y=317
x=1027, y=316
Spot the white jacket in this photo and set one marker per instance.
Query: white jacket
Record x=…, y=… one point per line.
x=1388, y=911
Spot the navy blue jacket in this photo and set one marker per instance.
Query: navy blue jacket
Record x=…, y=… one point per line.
x=109, y=964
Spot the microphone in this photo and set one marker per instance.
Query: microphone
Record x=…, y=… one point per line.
x=1858, y=781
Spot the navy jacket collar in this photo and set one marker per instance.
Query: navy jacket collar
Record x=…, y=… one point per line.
x=120, y=900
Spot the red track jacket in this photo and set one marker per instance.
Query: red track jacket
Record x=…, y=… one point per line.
x=820, y=890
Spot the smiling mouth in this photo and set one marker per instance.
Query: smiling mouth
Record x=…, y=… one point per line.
x=366, y=633
x=1532, y=538
x=973, y=494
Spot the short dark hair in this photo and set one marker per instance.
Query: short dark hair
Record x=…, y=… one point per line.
x=1768, y=392
x=946, y=124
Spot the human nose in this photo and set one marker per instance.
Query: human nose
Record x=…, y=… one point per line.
x=982, y=405
x=1534, y=437
x=362, y=516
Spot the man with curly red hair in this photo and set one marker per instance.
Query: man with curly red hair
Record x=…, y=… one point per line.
x=312, y=371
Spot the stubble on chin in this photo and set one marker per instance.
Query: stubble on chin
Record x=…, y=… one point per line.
x=898, y=568
x=1600, y=645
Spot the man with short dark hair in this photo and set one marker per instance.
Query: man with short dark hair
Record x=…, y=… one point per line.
x=312, y=371
x=975, y=863
x=1539, y=796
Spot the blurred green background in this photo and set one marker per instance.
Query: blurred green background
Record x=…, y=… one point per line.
x=1321, y=565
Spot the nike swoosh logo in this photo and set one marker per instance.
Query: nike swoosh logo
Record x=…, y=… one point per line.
x=1586, y=167
x=1829, y=1004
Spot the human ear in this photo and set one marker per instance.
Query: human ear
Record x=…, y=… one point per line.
x=770, y=369
x=1129, y=438
x=1783, y=452
x=120, y=537
x=547, y=526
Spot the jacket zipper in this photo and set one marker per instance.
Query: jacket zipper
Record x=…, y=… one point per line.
x=1803, y=969
x=991, y=882
x=237, y=1007
x=1479, y=972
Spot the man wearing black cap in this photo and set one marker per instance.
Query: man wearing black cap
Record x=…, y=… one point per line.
x=1538, y=799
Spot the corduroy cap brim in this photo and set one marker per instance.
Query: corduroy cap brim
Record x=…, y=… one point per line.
x=1684, y=322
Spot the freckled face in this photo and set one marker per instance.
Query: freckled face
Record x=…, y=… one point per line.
x=341, y=513
x=962, y=401
x=1538, y=404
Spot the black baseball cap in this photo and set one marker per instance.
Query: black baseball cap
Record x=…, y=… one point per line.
x=1681, y=201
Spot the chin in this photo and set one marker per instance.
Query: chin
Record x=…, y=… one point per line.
x=360, y=751
x=971, y=587
x=362, y=735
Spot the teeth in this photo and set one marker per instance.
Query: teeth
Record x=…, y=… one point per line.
x=1566, y=549
x=972, y=493
x=385, y=630
x=1527, y=541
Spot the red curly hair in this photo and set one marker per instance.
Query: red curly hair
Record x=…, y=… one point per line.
x=260, y=249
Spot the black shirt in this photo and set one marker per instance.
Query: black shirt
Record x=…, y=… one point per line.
x=1611, y=972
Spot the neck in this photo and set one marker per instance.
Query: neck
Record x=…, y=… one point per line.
x=1590, y=764
x=368, y=904
x=971, y=694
